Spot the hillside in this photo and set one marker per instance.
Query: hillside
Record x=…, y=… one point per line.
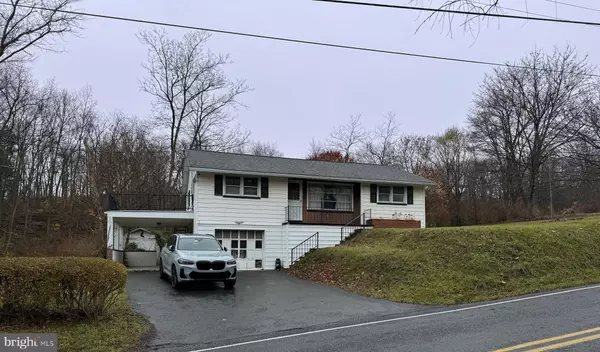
x=52, y=228
x=460, y=265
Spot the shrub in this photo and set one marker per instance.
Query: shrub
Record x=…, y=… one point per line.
x=59, y=287
x=162, y=237
x=132, y=247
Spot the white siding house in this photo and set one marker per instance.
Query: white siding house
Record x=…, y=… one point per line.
x=263, y=208
x=379, y=210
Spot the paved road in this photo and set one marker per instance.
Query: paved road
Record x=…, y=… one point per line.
x=359, y=326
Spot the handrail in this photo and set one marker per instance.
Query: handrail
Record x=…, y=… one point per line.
x=349, y=228
x=308, y=244
x=356, y=218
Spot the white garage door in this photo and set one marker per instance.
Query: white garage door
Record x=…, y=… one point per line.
x=244, y=245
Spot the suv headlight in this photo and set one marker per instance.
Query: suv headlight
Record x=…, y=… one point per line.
x=185, y=261
x=231, y=262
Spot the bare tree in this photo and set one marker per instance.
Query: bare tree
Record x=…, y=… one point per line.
x=381, y=145
x=192, y=96
x=524, y=115
x=316, y=147
x=414, y=152
x=347, y=137
x=589, y=132
x=264, y=149
x=470, y=23
x=124, y=158
x=451, y=155
x=25, y=26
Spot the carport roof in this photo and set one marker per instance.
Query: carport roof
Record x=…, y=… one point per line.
x=301, y=168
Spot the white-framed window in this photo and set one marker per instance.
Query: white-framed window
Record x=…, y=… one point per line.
x=330, y=196
x=391, y=194
x=241, y=186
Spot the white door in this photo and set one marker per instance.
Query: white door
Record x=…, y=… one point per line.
x=246, y=246
x=294, y=201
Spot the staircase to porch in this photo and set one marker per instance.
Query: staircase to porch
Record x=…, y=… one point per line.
x=351, y=229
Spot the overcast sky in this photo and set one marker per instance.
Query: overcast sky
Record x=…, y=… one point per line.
x=302, y=91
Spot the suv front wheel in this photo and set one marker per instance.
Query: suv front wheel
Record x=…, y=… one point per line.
x=161, y=268
x=174, y=278
x=229, y=284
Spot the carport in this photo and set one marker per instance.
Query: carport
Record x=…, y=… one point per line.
x=121, y=222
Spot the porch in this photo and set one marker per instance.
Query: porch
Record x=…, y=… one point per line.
x=313, y=202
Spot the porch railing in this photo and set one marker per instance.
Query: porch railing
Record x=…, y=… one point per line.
x=304, y=247
x=142, y=201
x=299, y=215
x=293, y=213
x=358, y=223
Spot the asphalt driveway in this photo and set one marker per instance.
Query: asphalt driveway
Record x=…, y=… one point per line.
x=263, y=304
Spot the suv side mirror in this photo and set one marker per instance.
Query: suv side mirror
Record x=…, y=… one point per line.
x=171, y=248
x=225, y=249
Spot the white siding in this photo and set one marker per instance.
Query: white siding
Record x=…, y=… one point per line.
x=279, y=240
x=211, y=209
x=387, y=211
x=267, y=214
x=329, y=236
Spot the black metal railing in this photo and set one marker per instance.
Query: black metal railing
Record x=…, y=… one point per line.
x=293, y=213
x=356, y=224
x=140, y=201
x=304, y=247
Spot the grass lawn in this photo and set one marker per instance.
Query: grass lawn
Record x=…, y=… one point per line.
x=461, y=264
x=119, y=330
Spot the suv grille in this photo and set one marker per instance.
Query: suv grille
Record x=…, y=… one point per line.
x=207, y=265
x=218, y=265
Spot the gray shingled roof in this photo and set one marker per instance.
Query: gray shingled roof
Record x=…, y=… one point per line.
x=300, y=167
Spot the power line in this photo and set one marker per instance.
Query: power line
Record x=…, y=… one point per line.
x=517, y=10
x=573, y=5
x=460, y=12
x=282, y=39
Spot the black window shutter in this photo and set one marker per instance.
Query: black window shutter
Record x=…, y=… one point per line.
x=409, y=195
x=264, y=187
x=218, y=185
x=373, y=193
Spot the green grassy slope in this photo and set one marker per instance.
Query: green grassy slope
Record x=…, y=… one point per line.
x=459, y=265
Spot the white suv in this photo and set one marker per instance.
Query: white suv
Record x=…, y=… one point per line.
x=190, y=257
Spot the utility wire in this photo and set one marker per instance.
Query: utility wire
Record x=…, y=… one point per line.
x=573, y=5
x=517, y=10
x=282, y=39
x=459, y=12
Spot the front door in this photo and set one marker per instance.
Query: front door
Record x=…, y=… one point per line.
x=294, y=201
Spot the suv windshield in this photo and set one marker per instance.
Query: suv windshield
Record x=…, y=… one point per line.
x=198, y=244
